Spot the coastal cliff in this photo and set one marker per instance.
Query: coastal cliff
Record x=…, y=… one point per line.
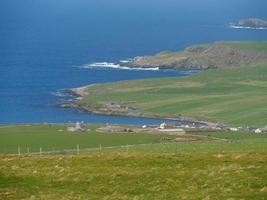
x=217, y=55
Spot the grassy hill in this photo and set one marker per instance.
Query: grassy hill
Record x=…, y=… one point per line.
x=234, y=96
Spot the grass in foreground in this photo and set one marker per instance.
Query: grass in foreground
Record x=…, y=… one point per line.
x=234, y=96
x=135, y=176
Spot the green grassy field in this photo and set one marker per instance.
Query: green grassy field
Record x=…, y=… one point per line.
x=234, y=96
x=234, y=142
x=49, y=138
x=139, y=176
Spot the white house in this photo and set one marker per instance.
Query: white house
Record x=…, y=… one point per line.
x=162, y=125
x=233, y=129
x=78, y=126
x=258, y=130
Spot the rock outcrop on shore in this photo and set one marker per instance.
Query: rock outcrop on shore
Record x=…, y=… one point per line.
x=220, y=54
x=252, y=22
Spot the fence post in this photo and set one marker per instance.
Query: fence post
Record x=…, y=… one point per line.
x=19, y=150
x=78, y=149
x=40, y=151
x=100, y=147
x=28, y=150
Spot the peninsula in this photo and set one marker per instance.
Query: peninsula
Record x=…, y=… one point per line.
x=216, y=55
x=234, y=96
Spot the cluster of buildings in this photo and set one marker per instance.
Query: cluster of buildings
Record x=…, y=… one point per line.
x=169, y=127
x=78, y=126
x=248, y=129
x=201, y=126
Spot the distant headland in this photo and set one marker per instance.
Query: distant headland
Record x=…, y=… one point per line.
x=250, y=23
x=216, y=55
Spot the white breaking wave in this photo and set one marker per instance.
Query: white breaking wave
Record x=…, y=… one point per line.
x=59, y=94
x=104, y=64
x=247, y=27
x=125, y=61
x=116, y=66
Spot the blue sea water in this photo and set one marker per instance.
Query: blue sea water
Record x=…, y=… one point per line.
x=43, y=43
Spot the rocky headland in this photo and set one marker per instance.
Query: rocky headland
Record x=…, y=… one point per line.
x=216, y=55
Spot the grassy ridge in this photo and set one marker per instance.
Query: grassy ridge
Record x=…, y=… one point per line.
x=234, y=96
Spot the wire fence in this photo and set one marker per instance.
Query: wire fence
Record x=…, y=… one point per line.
x=79, y=150
x=163, y=146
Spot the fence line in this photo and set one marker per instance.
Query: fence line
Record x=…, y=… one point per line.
x=94, y=149
x=78, y=150
x=100, y=148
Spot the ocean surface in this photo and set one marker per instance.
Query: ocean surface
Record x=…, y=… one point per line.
x=47, y=46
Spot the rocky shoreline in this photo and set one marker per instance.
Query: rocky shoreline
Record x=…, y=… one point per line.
x=81, y=92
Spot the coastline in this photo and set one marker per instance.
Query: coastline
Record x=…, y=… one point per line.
x=114, y=99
